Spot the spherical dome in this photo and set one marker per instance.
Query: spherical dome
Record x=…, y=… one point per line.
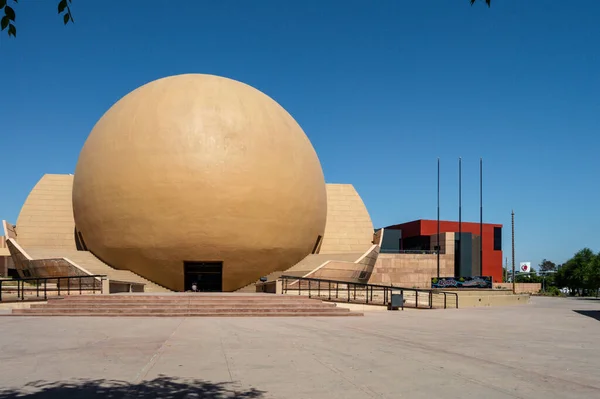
x=199, y=168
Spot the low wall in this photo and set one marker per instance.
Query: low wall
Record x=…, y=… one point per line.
x=520, y=288
x=487, y=298
x=115, y=287
x=270, y=287
x=410, y=270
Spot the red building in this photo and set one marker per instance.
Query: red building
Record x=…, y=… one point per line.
x=416, y=235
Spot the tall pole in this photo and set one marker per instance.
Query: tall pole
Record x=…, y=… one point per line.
x=459, y=215
x=438, y=220
x=513, y=251
x=481, y=216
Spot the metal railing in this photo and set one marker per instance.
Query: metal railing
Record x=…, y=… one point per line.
x=408, y=251
x=39, y=288
x=370, y=294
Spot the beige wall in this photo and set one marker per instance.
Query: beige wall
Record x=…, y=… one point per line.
x=414, y=270
x=4, y=265
x=378, y=237
x=488, y=298
x=349, y=227
x=46, y=218
x=527, y=288
x=8, y=230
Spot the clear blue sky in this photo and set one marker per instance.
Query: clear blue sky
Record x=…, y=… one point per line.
x=381, y=88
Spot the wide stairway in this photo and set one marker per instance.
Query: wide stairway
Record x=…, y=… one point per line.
x=185, y=305
x=89, y=262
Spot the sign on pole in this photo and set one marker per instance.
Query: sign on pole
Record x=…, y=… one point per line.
x=525, y=267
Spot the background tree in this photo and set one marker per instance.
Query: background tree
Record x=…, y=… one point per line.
x=531, y=277
x=581, y=273
x=547, y=266
x=594, y=275
x=9, y=15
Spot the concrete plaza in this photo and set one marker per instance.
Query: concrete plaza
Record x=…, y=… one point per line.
x=547, y=349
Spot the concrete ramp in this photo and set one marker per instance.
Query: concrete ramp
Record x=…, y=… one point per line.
x=305, y=266
x=86, y=260
x=313, y=261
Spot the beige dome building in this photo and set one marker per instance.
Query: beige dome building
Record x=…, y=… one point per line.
x=193, y=178
x=198, y=173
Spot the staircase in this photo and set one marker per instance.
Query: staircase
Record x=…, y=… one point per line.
x=185, y=305
x=89, y=262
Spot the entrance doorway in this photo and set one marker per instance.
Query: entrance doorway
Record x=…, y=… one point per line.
x=208, y=276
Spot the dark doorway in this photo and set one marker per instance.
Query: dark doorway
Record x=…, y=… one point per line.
x=207, y=275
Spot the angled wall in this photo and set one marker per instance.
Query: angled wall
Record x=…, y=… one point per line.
x=46, y=218
x=348, y=228
x=414, y=270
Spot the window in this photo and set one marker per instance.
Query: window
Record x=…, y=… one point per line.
x=497, y=238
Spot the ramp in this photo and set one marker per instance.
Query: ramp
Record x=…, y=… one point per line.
x=305, y=266
x=89, y=262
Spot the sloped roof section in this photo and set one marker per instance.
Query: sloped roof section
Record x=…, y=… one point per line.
x=46, y=218
x=349, y=228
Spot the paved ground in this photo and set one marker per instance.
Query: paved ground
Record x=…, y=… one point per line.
x=543, y=350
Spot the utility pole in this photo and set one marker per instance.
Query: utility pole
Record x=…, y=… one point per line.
x=513, y=250
x=481, y=216
x=459, y=217
x=438, y=220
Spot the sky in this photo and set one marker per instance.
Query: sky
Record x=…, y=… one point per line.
x=382, y=89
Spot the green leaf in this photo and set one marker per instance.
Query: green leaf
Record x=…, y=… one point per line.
x=61, y=6
x=66, y=18
x=10, y=13
x=4, y=22
x=2, y=3
x=12, y=30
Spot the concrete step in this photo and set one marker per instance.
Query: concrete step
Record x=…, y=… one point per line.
x=193, y=314
x=222, y=305
x=181, y=310
x=184, y=305
x=184, y=299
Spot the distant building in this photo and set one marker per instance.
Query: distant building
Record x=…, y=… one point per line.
x=420, y=237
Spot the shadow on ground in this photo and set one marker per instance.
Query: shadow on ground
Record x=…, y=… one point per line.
x=594, y=314
x=161, y=387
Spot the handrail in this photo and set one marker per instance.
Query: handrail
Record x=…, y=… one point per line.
x=74, y=284
x=332, y=289
x=409, y=251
